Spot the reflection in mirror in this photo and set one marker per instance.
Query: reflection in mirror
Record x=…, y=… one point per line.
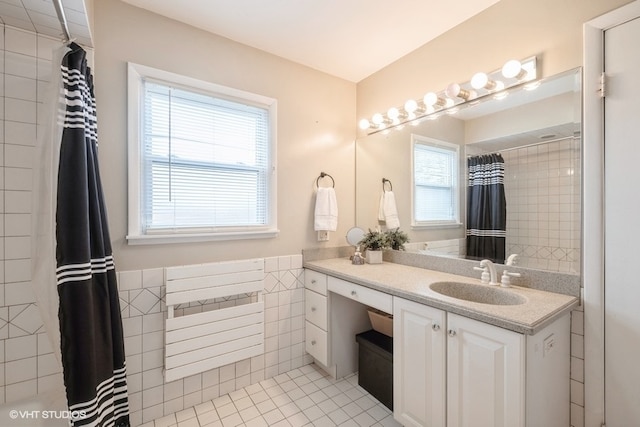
x=537, y=133
x=354, y=235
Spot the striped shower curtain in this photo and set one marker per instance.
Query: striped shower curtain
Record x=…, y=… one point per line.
x=486, y=208
x=92, y=342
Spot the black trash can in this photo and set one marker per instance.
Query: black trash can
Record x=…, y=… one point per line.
x=375, y=365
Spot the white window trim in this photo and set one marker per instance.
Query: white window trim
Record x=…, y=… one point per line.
x=136, y=73
x=421, y=225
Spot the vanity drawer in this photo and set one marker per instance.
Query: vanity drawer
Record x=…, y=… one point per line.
x=362, y=294
x=316, y=343
x=315, y=308
x=315, y=281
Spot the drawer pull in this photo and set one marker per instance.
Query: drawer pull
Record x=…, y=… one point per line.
x=313, y=342
x=452, y=333
x=435, y=327
x=313, y=309
x=353, y=293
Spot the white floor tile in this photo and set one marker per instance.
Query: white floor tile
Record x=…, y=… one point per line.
x=305, y=396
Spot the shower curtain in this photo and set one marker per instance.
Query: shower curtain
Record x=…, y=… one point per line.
x=486, y=208
x=91, y=335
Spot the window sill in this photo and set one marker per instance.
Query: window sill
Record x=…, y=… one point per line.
x=436, y=226
x=162, y=239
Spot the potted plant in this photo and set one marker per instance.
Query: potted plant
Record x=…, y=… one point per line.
x=397, y=239
x=374, y=242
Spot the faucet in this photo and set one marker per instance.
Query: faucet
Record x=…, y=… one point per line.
x=488, y=268
x=511, y=260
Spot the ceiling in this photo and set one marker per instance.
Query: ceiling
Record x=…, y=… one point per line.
x=40, y=17
x=350, y=39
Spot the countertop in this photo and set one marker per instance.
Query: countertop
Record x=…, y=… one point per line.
x=412, y=283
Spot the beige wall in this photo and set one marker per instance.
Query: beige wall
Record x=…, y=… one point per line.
x=316, y=128
x=549, y=29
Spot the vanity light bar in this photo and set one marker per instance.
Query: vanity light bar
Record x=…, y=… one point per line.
x=513, y=73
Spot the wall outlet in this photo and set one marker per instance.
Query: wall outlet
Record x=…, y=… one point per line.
x=323, y=236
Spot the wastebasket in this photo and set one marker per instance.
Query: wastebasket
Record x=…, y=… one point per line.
x=375, y=365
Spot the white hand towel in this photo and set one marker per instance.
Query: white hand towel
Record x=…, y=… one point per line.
x=388, y=211
x=326, y=213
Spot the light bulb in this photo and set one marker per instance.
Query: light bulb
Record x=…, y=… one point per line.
x=393, y=113
x=454, y=90
x=364, y=124
x=513, y=70
x=431, y=99
x=410, y=106
x=481, y=81
x=377, y=119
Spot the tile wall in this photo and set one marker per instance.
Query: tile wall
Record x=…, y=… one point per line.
x=27, y=364
x=577, y=367
x=542, y=187
x=143, y=315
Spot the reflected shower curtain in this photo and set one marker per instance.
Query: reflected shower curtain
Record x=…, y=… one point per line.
x=486, y=208
x=90, y=324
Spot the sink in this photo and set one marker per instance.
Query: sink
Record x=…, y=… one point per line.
x=484, y=294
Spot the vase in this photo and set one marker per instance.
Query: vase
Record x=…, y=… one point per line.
x=374, y=257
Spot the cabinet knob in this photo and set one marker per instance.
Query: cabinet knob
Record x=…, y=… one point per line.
x=313, y=281
x=452, y=333
x=313, y=342
x=435, y=327
x=313, y=309
x=353, y=293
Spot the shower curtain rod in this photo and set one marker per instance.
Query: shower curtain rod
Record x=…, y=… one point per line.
x=526, y=146
x=63, y=20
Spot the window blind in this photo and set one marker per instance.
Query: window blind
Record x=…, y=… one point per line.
x=435, y=193
x=205, y=161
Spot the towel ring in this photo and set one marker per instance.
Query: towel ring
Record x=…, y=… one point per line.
x=384, y=181
x=322, y=175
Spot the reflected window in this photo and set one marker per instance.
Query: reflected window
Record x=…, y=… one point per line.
x=435, y=182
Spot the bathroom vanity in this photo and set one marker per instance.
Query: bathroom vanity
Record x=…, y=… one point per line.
x=457, y=362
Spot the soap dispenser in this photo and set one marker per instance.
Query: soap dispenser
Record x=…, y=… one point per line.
x=357, y=258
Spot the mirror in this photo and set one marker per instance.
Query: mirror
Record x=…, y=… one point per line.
x=354, y=235
x=536, y=130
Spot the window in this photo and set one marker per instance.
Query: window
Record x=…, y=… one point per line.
x=201, y=163
x=435, y=182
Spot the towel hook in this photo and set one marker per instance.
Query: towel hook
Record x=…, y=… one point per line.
x=384, y=181
x=322, y=175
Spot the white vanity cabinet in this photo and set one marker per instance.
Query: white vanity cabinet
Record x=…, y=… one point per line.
x=419, y=364
x=485, y=374
x=316, y=318
x=335, y=312
x=454, y=371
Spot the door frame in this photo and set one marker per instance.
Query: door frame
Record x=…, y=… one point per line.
x=593, y=209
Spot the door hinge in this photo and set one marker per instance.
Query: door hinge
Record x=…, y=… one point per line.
x=602, y=90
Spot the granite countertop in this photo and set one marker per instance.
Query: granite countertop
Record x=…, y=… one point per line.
x=412, y=283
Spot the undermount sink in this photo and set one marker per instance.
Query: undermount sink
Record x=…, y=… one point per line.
x=484, y=294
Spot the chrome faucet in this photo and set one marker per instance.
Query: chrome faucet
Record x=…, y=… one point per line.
x=489, y=274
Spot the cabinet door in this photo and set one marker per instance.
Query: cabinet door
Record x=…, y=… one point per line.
x=485, y=375
x=418, y=364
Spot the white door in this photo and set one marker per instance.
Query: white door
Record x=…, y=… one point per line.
x=485, y=375
x=419, y=372
x=622, y=225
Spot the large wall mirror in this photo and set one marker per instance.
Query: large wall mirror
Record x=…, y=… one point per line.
x=535, y=129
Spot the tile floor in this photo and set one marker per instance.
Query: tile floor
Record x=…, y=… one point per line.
x=306, y=396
